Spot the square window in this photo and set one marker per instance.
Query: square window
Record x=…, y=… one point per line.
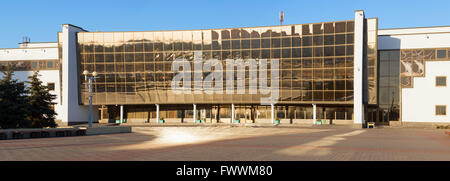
x=296, y=41
x=34, y=65
x=50, y=65
x=51, y=86
x=307, y=41
x=441, y=54
x=441, y=110
x=441, y=81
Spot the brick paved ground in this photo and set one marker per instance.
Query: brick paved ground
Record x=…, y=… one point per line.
x=237, y=143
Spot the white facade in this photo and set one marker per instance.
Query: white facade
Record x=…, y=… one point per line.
x=358, y=104
x=67, y=107
x=438, y=37
x=37, y=51
x=419, y=102
x=73, y=111
x=38, y=45
x=41, y=53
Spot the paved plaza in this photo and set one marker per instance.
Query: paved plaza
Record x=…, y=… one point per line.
x=237, y=143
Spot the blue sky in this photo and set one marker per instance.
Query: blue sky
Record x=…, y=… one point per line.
x=41, y=19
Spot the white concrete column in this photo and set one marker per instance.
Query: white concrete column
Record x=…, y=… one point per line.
x=232, y=113
x=121, y=114
x=195, y=113
x=72, y=111
x=314, y=114
x=358, y=105
x=272, y=113
x=157, y=113
x=203, y=114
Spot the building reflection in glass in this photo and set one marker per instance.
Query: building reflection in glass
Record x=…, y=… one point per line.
x=316, y=65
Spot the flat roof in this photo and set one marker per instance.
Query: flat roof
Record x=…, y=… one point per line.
x=415, y=30
x=36, y=42
x=250, y=27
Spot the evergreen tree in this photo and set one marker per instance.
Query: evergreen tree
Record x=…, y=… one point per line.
x=13, y=102
x=41, y=113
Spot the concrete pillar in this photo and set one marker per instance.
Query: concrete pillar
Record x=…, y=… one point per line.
x=71, y=110
x=358, y=105
x=121, y=114
x=218, y=114
x=102, y=111
x=195, y=113
x=157, y=113
x=203, y=114
x=272, y=108
x=232, y=113
x=314, y=114
x=213, y=113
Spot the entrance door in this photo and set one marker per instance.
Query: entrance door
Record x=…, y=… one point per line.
x=250, y=114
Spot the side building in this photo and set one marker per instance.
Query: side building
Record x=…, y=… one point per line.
x=414, y=66
x=30, y=57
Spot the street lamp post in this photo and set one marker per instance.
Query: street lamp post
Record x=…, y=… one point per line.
x=91, y=79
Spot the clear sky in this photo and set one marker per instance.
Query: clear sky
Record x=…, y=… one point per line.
x=41, y=19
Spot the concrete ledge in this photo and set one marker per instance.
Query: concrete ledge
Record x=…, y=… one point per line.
x=61, y=132
x=429, y=125
x=357, y=126
x=108, y=130
x=395, y=123
x=38, y=132
x=254, y=125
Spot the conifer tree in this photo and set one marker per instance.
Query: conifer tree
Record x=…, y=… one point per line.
x=41, y=113
x=13, y=102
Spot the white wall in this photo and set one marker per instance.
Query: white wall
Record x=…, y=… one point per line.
x=414, y=38
x=38, y=44
x=46, y=76
x=400, y=31
x=418, y=103
x=358, y=107
x=28, y=54
x=73, y=111
x=68, y=109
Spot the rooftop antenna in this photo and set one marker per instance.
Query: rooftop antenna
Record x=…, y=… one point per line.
x=25, y=41
x=281, y=17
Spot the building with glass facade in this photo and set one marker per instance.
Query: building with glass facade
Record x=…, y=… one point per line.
x=344, y=72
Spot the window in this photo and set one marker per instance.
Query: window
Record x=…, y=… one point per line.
x=50, y=65
x=441, y=81
x=316, y=61
x=441, y=53
x=51, y=86
x=34, y=65
x=441, y=110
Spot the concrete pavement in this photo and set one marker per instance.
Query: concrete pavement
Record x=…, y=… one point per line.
x=237, y=143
